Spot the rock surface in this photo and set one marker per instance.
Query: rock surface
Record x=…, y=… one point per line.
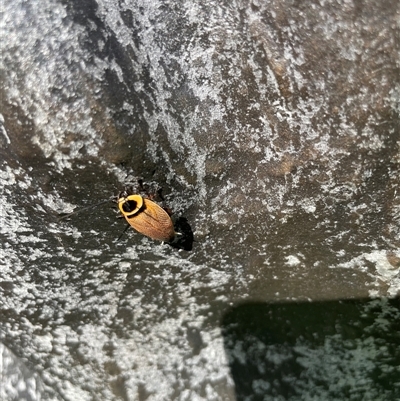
x=273, y=127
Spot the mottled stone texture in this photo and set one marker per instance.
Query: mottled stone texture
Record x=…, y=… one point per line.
x=273, y=127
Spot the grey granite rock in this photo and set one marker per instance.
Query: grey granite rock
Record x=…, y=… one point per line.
x=273, y=128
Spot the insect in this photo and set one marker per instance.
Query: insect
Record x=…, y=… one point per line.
x=146, y=216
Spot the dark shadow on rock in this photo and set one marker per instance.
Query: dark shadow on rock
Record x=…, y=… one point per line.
x=333, y=350
x=184, y=240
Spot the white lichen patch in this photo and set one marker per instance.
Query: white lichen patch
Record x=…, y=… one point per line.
x=383, y=271
x=292, y=260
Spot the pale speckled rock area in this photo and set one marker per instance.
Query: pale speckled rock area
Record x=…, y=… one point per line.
x=273, y=127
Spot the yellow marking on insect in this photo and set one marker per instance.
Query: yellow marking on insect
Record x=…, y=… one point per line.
x=146, y=217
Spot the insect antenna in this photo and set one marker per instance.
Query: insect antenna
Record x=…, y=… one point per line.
x=123, y=232
x=63, y=216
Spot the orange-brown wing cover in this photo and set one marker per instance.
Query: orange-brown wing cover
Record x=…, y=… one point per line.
x=153, y=221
